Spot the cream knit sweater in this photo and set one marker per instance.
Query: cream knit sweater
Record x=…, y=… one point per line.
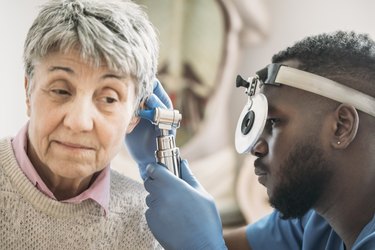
x=31, y=220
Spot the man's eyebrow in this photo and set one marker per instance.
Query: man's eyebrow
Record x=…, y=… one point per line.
x=57, y=68
x=271, y=109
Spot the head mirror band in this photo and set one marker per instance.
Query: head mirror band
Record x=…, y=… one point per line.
x=325, y=87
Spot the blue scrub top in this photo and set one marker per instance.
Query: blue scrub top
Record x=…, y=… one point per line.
x=311, y=232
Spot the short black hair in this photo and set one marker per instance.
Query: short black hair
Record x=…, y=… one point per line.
x=345, y=57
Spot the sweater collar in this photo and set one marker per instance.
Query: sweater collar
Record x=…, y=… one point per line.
x=98, y=191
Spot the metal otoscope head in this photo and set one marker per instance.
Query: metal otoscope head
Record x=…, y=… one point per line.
x=167, y=119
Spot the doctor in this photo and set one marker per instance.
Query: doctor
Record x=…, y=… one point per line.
x=314, y=139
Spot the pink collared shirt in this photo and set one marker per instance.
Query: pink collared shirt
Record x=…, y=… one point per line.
x=98, y=191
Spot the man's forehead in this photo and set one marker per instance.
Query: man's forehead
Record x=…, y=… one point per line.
x=283, y=95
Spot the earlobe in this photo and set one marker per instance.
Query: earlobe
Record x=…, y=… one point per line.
x=347, y=122
x=134, y=121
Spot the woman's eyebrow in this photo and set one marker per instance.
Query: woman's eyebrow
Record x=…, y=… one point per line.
x=57, y=68
x=123, y=79
x=71, y=72
x=112, y=75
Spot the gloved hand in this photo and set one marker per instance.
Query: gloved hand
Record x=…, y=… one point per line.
x=141, y=142
x=181, y=214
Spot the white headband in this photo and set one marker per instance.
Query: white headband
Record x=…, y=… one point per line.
x=322, y=86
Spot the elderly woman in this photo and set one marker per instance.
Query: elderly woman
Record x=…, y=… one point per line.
x=88, y=66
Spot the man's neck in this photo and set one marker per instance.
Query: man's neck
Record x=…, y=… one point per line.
x=349, y=208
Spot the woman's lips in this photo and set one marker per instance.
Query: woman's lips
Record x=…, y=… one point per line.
x=74, y=145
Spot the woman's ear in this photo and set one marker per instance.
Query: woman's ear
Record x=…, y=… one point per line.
x=346, y=127
x=133, y=122
x=26, y=85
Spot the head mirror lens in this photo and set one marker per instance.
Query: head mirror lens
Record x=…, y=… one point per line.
x=247, y=132
x=247, y=122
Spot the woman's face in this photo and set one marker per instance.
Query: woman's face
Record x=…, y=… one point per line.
x=79, y=115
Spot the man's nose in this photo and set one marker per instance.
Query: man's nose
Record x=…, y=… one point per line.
x=80, y=115
x=260, y=148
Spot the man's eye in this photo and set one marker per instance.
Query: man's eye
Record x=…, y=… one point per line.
x=272, y=122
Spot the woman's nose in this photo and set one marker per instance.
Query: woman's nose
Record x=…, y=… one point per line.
x=80, y=115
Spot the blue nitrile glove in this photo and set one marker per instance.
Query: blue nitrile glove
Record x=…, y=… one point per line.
x=181, y=214
x=141, y=142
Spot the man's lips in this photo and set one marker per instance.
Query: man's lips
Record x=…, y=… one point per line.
x=259, y=172
x=260, y=168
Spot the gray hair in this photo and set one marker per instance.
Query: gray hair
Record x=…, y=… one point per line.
x=115, y=32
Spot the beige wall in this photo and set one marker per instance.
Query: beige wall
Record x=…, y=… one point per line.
x=290, y=21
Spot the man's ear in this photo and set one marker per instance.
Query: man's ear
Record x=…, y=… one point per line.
x=346, y=127
x=134, y=121
x=26, y=85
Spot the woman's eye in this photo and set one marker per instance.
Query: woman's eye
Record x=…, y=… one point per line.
x=109, y=100
x=60, y=91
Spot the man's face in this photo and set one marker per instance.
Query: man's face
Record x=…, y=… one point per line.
x=291, y=162
x=79, y=116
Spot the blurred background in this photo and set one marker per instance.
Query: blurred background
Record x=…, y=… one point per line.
x=204, y=45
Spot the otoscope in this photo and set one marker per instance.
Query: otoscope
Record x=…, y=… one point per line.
x=166, y=151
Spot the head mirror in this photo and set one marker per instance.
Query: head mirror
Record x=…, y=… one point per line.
x=253, y=117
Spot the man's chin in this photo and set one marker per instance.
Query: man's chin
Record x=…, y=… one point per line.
x=289, y=208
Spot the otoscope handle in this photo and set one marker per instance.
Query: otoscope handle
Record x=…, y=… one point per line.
x=167, y=153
